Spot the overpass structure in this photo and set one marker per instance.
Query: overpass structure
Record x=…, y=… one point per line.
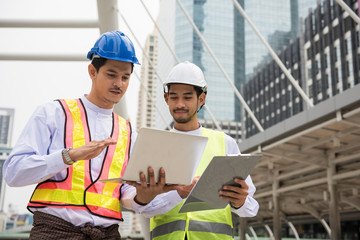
x=310, y=166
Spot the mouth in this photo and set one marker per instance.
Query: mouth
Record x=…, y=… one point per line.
x=116, y=91
x=181, y=111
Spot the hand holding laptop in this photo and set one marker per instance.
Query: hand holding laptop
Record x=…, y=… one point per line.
x=178, y=153
x=147, y=189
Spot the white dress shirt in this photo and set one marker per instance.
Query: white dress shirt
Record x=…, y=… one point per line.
x=37, y=156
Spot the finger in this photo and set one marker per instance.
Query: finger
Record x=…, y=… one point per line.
x=229, y=199
x=230, y=194
x=194, y=181
x=242, y=183
x=237, y=189
x=110, y=141
x=234, y=202
x=143, y=180
x=151, y=176
x=162, y=179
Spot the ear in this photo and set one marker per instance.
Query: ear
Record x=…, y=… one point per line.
x=92, y=71
x=166, y=97
x=202, y=99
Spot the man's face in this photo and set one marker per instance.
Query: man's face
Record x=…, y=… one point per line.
x=183, y=102
x=110, y=83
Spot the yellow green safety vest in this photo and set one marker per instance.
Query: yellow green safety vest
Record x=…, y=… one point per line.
x=199, y=225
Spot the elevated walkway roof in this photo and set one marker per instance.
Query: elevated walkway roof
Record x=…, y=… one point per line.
x=304, y=155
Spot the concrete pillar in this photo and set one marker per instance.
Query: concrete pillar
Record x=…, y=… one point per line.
x=242, y=228
x=276, y=209
x=334, y=215
x=108, y=21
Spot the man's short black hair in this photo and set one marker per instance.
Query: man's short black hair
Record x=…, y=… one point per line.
x=98, y=62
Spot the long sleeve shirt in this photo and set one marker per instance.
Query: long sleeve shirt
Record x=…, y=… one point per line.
x=251, y=206
x=37, y=156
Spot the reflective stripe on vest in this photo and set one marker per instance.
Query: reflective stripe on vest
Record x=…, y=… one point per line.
x=210, y=224
x=199, y=226
x=78, y=190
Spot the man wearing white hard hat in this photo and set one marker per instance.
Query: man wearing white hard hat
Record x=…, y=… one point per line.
x=185, y=93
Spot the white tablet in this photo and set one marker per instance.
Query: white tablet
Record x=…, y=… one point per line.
x=220, y=171
x=178, y=153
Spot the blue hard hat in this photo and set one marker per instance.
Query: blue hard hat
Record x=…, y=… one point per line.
x=114, y=45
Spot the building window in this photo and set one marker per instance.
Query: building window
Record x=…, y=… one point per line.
x=338, y=74
x=318, y=86
x=309, y=75
x=337, y=53
x=347, y=46
x=349, y=68
x=310, y=91
x=317, y=66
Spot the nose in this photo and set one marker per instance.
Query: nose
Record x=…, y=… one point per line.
x=180, y=104
x=117, y=82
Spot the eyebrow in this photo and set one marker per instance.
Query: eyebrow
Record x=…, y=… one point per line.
x=113, y=71
x=186, y=93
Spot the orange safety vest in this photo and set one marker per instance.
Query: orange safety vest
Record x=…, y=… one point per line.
x=78, y=190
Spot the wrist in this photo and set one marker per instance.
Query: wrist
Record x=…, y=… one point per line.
x=231, y=205
x=139, y=202
x=66, y=156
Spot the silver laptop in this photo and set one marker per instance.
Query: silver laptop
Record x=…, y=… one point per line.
x=178, y=153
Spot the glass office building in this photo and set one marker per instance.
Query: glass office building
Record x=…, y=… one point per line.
x=232, y=41
x=215, y=20
x=277, y=21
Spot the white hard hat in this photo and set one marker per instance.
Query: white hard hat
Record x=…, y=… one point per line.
x=186, y=73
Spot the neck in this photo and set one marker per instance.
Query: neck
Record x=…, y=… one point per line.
x=98, y=102
x=186, y=127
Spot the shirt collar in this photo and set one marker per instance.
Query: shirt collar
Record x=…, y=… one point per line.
x=194, y=132
x=95, y=108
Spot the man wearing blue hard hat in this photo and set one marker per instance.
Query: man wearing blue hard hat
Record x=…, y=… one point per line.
x=68, y=145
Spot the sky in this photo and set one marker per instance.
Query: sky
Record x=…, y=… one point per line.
x=26, y=84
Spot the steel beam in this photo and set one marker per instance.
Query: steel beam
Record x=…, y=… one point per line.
x=253, y=233
x=108, y=21
x=294, y=230
x=42, y=57
x=48, y=24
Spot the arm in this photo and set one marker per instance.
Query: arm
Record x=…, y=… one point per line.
x=34, y=159
x=242, y=202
